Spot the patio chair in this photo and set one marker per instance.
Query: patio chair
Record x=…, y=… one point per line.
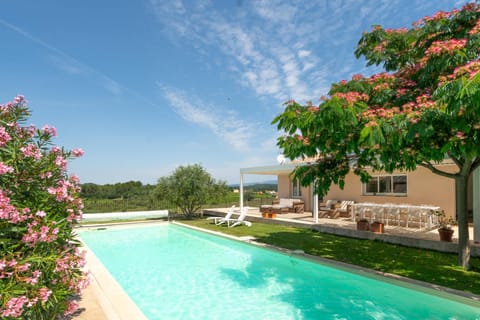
x=325, y=210
x=342, y=210
x=220, y=220
x=240, y=220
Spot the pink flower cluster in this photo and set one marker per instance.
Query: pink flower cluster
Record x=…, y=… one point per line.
x=382, y=76
x=352, y=96
x=32, y=151
x=475, y=29
x=14, y=307
x=48, y=130
x=448, y=46
x=440, y=15
x=8, y=211
x=39, y=233
x=399, y=30
x=4, y=137
x=5, y=169
x=62, y=190
x=470, y=70
x=78, y=152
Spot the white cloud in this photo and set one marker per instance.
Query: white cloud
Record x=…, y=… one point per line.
x=278, y=49
x=224, y=124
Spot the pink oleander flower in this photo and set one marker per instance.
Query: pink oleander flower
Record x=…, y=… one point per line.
x=49, y=130
x=78, y=152
x=61, y=162
x=56, y=150
x=71, y=308
x=4, y=137
x=5, y=169
x=22, y=267
x=14, y=307
x=44, y=294
x=32, y=151
x=40, y=214
x=33, y=280
x=8, y=211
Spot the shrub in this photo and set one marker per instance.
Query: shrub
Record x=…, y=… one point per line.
x=40, y=263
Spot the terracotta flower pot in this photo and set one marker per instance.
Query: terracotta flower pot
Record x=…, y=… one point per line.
x=445, y=234
x=363, y=225
x=377, y=227
x=272, y=215
x=264, y=214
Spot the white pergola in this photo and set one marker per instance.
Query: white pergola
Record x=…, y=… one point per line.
x=275, y=170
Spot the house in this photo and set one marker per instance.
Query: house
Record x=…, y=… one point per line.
x=419, y=187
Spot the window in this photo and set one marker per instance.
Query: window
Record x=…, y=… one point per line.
x=296, y=189
x=386, y=185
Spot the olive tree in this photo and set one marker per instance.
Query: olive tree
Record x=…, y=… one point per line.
x=189, y=188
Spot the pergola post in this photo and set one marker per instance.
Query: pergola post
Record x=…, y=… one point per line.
x=315, y=204
x=241, y=192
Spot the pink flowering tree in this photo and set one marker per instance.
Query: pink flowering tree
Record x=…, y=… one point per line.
x=424, y=109
x=40, y=263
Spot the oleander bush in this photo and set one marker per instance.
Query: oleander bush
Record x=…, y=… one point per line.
x=41, y=273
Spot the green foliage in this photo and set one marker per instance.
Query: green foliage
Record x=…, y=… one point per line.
x=123, y=190
x=189, y=188
x=423, y=109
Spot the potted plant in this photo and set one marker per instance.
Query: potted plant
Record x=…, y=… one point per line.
x=363, y=225
x=377, y=227
x=272, y=214
x=445, y=229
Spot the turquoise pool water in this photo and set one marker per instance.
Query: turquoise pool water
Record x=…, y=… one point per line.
x=172, y=272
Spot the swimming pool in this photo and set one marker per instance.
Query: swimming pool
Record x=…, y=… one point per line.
x=172, y=272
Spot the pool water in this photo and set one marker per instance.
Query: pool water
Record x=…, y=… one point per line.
x=172, y=272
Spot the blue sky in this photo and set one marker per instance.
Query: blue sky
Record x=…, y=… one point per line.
x=148, y=85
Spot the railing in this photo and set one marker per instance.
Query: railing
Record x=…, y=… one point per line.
x=124, y=205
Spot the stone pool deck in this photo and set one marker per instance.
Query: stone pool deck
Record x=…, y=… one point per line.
x=102, y=300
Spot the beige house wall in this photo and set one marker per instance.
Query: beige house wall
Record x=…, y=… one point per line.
x=423, y=187
x=285, y=191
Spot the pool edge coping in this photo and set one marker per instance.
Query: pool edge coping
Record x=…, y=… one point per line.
x=426, y=287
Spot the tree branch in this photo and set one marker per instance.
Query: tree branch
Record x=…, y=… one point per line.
x=432, y=168
x=475, y=164
x=457, y=162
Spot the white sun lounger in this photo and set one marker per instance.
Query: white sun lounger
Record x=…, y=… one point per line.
x=221, y=220
x=240, y=220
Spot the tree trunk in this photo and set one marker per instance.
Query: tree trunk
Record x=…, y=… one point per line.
x=461, y=184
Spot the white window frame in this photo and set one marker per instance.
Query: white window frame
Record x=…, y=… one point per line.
x=391, y=176
x=296, y=186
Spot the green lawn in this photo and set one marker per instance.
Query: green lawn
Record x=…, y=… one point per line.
x=429, y=266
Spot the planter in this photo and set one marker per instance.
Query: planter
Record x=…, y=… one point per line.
x=272, y=215
x=265, y=214
x=363, y=225
x=445, y=234
x=377, y=227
